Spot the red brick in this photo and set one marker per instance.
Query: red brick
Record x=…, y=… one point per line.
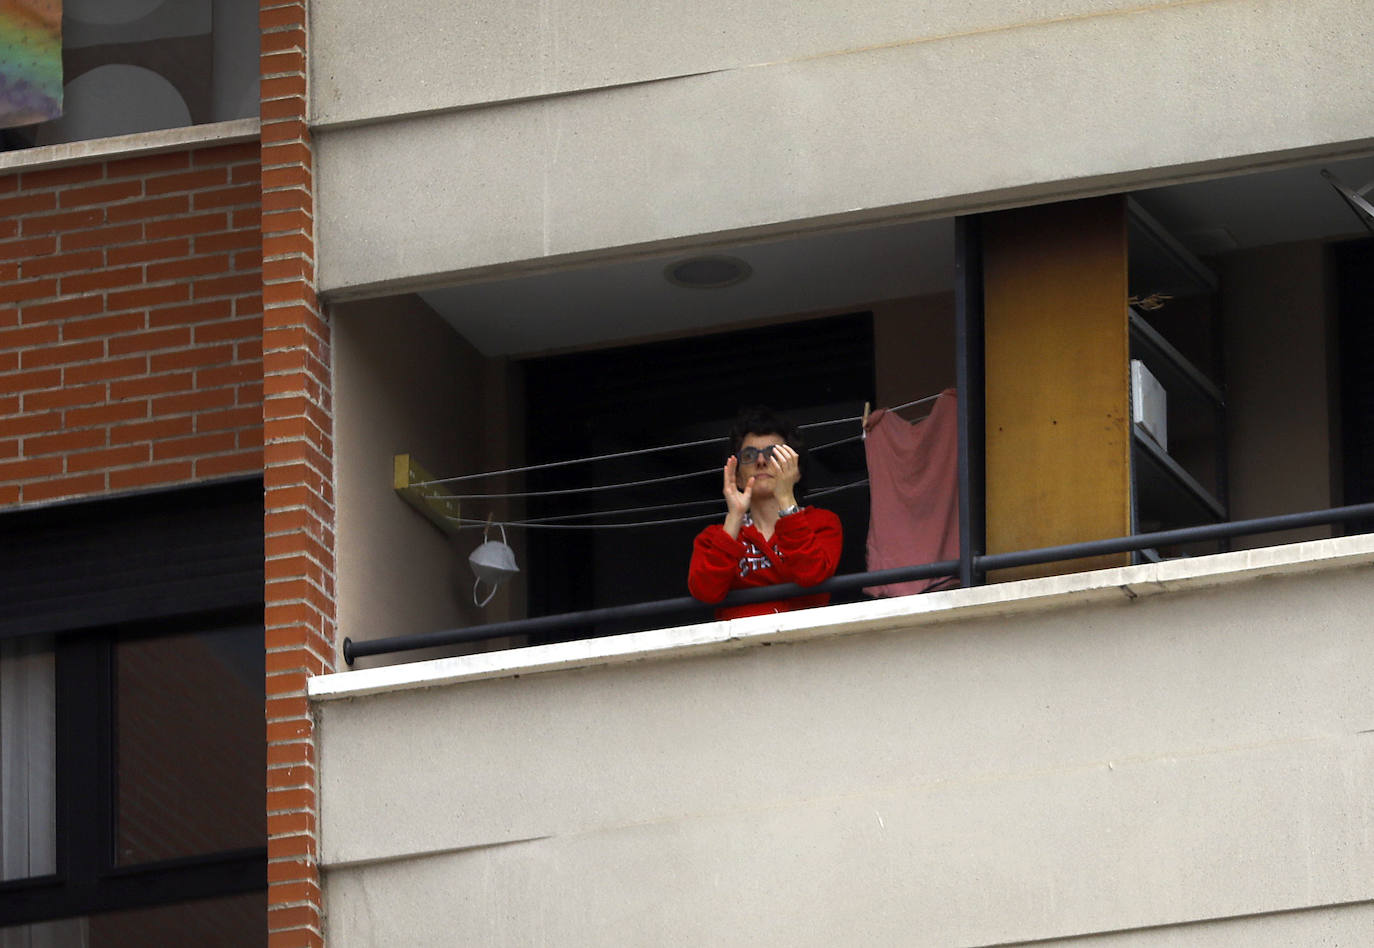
x=64, y=487
x=9, y=448
x=286, y=222
x=14, y=425
x=9, y=495
x=67, y=220
x=27, y=204
x=248, y=260
x=148, y=475
x=64, y=397
x=30, y=381
x=287, y=153
x=105, y=370
x=155, y=430
x=200, y=312
x=248, y=217
x=184, y=226
x=289, y=870
x=144, y=210
x=187, y=181
x=100, y=279
x=191, y=358
x=229, y=329
x=227, y=197
x=30, y=468
x=250, y=304
x=23, y=291
x=102, y=236
x=287, y=268
x=9, y=182
x=101, y=193
x=246, y=174
x=39, y=335
x=193, y=445
x=227, y=286
x=296, y=706
x=286, y=62
x=228, y=375
x=190, y=267
x=102, y=326
x=149, y=341
x=153, y=250
x=230, y=240
x=152, y=385
x=60, y=177
x=193, y=401
x=28, y=248
x=109, y=457
x=281, y=88
x=285, y=39
x=9, y=362
x=294, y=917
x=290, y=824
x=289, y=731
x=148, y=296
x=106, y=414
x=65, y=441
x=149, y=164
x=63, y=263
x=225, y=154
x=60, y=309
x=242, y=463
x=63, y=354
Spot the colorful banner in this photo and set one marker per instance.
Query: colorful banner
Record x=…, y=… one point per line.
x=30, y=61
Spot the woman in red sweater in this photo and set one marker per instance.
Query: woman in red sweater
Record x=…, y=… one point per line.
x=767, y=537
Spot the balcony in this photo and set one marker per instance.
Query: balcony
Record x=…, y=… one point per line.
x=1179, y=749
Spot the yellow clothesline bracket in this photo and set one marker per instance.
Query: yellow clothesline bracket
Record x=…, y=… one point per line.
x=410, y=481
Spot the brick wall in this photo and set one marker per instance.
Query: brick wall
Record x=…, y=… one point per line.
x=130, y=323
x=299, y=477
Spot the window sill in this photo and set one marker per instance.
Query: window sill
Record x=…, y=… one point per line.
x=125, y=146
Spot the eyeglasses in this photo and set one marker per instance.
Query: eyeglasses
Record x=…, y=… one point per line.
x=751, y=454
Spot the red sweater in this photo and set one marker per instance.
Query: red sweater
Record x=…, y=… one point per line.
x=805, y=549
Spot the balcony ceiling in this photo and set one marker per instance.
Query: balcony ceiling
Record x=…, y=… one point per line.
x=597, y=305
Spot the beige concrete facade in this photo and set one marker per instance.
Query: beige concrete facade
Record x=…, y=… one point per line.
x=1177, y=751
x=586, y=142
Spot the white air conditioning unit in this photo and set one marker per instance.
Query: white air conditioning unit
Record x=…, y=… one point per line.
x=1149, y=404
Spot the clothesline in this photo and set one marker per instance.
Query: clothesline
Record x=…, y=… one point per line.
x=638, y=452
x=624, y=484
x=544, y=523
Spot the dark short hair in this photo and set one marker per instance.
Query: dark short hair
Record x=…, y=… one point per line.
x=761, y=420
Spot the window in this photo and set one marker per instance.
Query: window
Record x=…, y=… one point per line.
x=132, y=746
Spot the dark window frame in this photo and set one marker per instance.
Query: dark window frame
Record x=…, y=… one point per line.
x=218, y=587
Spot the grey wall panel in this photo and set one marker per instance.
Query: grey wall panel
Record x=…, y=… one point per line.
x=986, y=118
x=1112, y=765
x=421, y=56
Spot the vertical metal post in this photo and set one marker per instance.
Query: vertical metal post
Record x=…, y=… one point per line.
x=968, y=317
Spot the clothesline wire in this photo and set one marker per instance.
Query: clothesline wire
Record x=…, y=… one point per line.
x=625, y=484
x=640, y=451
x=542, y=523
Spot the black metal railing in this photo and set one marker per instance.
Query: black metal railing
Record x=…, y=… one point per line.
x=852, y=581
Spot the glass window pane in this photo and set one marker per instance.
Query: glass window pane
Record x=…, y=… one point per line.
x=238, y=921
x=28, y=760
x=190, y=744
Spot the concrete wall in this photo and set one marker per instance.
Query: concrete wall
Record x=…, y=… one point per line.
x=1147, y=752
x=468, y=142
x=1279, y=356
x=407, y=383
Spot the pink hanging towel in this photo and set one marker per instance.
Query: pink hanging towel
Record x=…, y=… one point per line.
x=913, y=480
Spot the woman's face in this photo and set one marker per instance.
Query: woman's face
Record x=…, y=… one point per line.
x=758, y=467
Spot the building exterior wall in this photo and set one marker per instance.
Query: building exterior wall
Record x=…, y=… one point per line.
x=1171, y=754
x=582, y=141
x=130, y=323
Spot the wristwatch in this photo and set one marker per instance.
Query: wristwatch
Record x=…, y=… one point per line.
x=789, y=511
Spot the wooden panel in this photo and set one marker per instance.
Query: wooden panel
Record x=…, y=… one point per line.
x=1057, y=362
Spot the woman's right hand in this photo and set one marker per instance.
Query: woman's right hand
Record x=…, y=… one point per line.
x=736, y=500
